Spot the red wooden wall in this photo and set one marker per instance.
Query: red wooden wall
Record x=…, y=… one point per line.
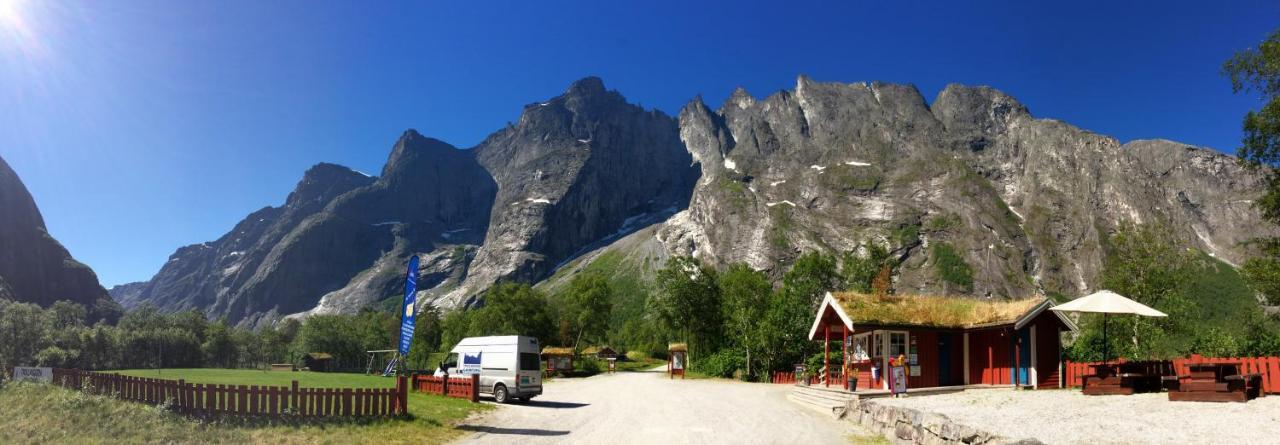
x=927, y=354
x=1048, y=348
x=990, y=357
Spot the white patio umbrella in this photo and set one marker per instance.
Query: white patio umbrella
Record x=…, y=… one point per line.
x=1106, y=302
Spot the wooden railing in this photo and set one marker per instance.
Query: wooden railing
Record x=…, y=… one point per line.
x=242, y=400
x=460, y=387
x=789, y=378
x=1269, y=367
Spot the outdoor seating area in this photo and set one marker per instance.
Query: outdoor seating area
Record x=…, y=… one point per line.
x=1194, y=378
x=1216, y=382
x=1126, y=378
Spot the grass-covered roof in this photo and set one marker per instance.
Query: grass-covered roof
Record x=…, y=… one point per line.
x=557, y=351
x=932, y=310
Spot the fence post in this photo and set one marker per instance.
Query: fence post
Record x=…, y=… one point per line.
x=402, y=395
x=293, y=398
x=475, y=388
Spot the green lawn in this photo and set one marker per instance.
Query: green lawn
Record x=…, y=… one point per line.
x=640, y=365
x=44, y=414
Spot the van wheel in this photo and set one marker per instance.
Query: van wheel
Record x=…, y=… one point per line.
x=500, y=394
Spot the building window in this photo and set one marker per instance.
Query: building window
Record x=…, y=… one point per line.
x=860, y=352
x=877, y=346
x=897, y=344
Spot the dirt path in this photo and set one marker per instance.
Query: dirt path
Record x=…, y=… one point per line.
x=646, y=407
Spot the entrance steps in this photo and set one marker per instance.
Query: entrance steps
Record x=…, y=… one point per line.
x=833, y=401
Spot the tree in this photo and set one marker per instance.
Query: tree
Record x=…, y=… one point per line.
x=1145, y=265
x=812, y=276
x=219, y=346
x=951, y=267
x=24, y=331
x=785, y=329
x=1257, y=70
x=426, y=337
x=859, y=271
x=587, y=306
x=746, y=295
x=513, y=309
x=688, y=302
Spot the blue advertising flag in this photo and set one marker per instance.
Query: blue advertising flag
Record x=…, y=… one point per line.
x=408, y=315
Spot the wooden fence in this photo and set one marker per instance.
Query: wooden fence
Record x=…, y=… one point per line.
x=460, y=387
x=242, y=400
x=1269, y=367
x=789, y=378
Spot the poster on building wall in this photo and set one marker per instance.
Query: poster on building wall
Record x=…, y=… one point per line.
x=914, y=371
x=897, y=379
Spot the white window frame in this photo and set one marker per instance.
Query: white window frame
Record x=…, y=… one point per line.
x=884, y=343
x=865, y=338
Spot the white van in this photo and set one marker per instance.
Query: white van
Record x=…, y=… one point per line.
x=510, y=367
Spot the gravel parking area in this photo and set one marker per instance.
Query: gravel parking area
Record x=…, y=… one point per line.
x=1068, y=417
x=648, y=408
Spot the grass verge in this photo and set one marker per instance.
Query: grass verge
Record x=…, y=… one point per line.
x=46, y=414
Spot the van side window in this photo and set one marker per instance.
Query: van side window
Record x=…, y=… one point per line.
x=529, y=361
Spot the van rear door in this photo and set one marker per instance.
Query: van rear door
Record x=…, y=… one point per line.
x=530, y=374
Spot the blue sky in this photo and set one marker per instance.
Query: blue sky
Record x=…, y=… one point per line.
x=143, y=126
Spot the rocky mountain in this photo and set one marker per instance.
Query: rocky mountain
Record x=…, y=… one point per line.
x=577, y=171
x=586, y=179
x=1026, y=202
x=34, y=267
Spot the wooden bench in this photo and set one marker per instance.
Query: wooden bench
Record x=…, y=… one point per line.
x=1122, y=379
x=1216, y=382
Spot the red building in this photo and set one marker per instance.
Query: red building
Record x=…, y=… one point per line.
x=948, y=341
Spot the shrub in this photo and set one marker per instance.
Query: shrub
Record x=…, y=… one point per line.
x=951, y=266
x=637, y=356
x=589, y=366
x=721, y=364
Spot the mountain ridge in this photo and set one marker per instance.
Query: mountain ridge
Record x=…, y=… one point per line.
x=825, y=166
x=34, y=266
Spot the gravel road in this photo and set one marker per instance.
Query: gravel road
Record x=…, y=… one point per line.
x=1069, y=417
x=646, y=407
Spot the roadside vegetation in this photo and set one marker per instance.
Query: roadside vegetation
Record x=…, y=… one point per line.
x=33, y=413
x=1212, y=309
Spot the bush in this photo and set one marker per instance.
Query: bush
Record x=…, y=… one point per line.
x=951, y=266
x=589, y=366
x=721, y=364
x=637, y=356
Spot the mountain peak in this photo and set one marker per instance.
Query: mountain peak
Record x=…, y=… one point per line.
x=589, y=85
x=980, y=108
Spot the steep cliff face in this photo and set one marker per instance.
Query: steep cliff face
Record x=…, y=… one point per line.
x=1026, y=202
x=339, y=241
x=576, y=171
x=204, y=276
x=34, y=267
x=585, y=177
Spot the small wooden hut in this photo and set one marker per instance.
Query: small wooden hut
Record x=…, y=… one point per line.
x=945, y=341
x=317, y=361
x=558, y=359
x=600, y=352
x=677, y=359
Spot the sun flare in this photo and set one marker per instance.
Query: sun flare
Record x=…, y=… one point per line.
x=11, y=15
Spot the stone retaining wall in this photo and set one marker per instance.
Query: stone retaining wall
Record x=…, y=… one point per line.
x=909, y=426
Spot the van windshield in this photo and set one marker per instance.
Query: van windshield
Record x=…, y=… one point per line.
x=529, y=361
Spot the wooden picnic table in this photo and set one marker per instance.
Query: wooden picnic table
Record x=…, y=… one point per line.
x=1120, y=379
x=1216, y=382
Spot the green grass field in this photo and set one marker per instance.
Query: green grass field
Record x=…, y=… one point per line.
x=45, y=414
